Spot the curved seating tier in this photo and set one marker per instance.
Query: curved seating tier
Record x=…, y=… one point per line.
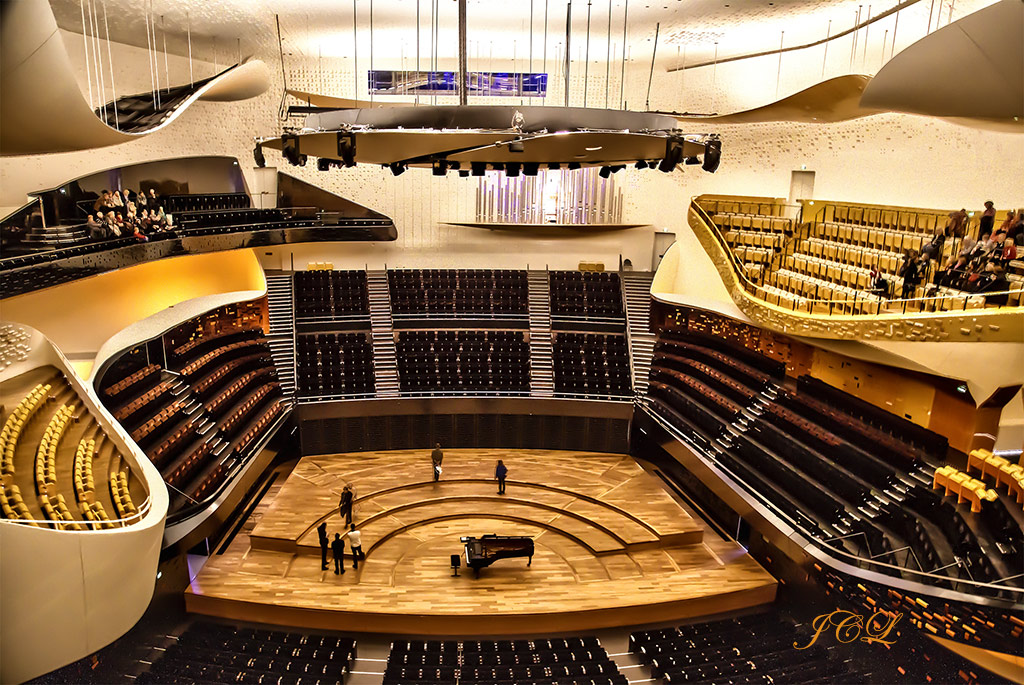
x=198, y=427
x=854, y=476
x=52, y=447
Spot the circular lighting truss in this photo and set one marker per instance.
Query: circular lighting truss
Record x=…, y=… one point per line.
x=472, y=139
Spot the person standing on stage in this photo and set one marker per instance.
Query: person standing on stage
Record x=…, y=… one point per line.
x=500, y=472
x=436, y=457
x=345, y=504
x=321, y=531
x=338, y=550
x=355, y=541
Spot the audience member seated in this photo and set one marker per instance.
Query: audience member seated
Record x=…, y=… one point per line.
x=463, y=362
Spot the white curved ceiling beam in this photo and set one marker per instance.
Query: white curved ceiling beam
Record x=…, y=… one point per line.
x=317, y=100
x=973, y=67
x=42, y=109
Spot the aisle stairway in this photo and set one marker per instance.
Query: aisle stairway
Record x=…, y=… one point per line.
x=542, y=379
x=282, y=329
x=382, y=334
x=636, y=290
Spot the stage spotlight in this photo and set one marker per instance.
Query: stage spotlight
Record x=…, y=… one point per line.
x=712, y=155
x=323, y=164
x=530, y=168
x=290, y=149
x=572, y=166
x=464, y=173
x=498, y=166
x=554, y=166
x=303, y=159
x=257, y=154
x=516, y=146
x=693, y=160
x=617, y=168
x=440, y=167
x=641, y=164
x=605, y=172
x=673, y=155
x=396, y=168
x=454, y=166
x=479, y=168
x=653, y=164
x=347, y=148
x=512, y=169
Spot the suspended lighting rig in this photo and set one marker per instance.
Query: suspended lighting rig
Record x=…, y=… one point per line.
x=513, y=139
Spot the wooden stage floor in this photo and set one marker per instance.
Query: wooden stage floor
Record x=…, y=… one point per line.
x=613, y=548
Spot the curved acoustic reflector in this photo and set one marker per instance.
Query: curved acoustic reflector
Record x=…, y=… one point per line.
x=42, y=109
x=837, y=99
x=973, y=67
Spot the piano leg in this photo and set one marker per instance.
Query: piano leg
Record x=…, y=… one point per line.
x=529, y=561
x=476, y=571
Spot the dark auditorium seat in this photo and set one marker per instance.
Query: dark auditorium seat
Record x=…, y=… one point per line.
x=587, y=295
x=472, y=293
x=591, y=365
x=463, y=362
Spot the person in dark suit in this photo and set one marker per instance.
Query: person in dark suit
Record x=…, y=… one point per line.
x=345, y=504
x=436, y=457
x=500, y=472
x=321, y=531
x=338, y=550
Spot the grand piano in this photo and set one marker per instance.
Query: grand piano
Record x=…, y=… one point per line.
x=487, y=549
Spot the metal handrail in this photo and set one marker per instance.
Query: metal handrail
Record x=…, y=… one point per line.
x=857, y=560
x=139, y=514
x=800, y=302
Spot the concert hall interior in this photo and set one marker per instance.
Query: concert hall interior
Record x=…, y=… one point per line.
x=456, y=341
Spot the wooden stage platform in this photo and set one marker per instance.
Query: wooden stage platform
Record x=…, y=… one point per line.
x=613, y=548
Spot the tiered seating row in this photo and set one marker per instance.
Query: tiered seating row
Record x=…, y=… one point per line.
x=182, y=352
x=555, y=661
x=331, y=294
x=205, y=202
x=586, y=294
x=236, y=387
x=334, y=364
x=749, y=649
x=122, y=497
x=46, y=453
x=218, y=653
x=194, y=367
x=125, y=383
x=591, y=365
x=463, y=361
x=16, y=421
x=484, y=292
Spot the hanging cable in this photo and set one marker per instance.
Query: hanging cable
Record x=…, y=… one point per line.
x=191, y=78
x=608, y=58
x=622, y=77
x=586, y=58
x=110, y=59
x=167, y=69
x=654, y=55
x=149, y=56
x=85, y=47
x=545, y=51
x=355, y=53
x=371, y=53
x=98, y=57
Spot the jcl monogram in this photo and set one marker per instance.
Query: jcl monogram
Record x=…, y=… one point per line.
x=849, y=627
